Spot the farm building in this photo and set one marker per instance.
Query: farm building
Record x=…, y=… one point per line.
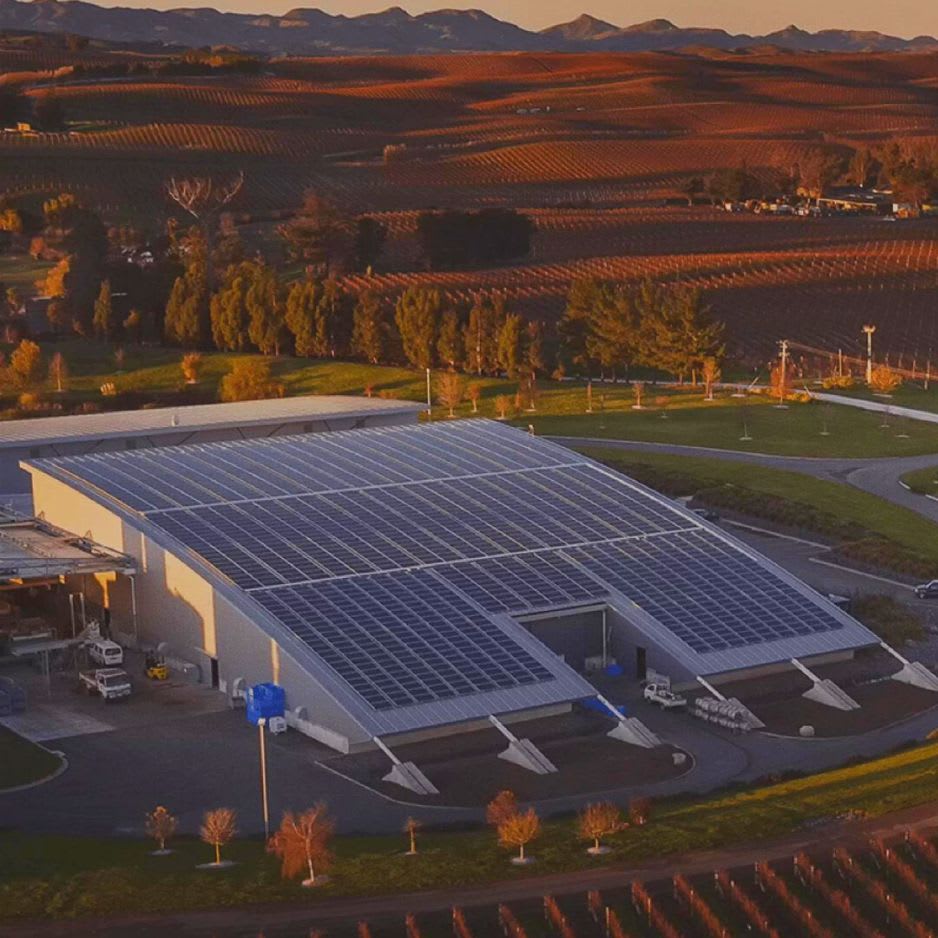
x=171, y=426
x=406, y=582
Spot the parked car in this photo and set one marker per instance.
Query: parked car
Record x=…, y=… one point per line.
x=106, y=652
x=927, y=590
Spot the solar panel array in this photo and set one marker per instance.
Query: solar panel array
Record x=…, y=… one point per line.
x=403, y=639
x=523, y=582
x=212, y=473
x=392, y=554
x=314, y=537
x=708, y=593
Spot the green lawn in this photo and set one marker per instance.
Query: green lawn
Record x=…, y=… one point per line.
x=22, y=272
x=61, y=877
x=151, y=375
x=803, y=429
x=22, y=762
x=842, y=502
x=923, y=481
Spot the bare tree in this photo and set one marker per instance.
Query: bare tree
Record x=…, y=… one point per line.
x=218, y=828
x=502, y=806
x=191, y=365
x=640, y=810
x=302, y=843
x=203, y=197
x=711, y=374
x=58, y=372
x=160, y=825
x=450, y=390
x=598, y=820
x=518, y=830
x=411, y=826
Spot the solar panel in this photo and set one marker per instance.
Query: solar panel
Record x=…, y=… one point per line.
x=403, y=639
x=210, y=473
x=314, y=537
x=709, y=594
x=523, y=583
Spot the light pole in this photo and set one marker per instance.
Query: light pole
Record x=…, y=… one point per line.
x=261, y=723
x=869, y=330
x=783, y=372
x=429, y=399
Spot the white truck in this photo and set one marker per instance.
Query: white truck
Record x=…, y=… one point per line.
x=109, y=683
x=664, y=697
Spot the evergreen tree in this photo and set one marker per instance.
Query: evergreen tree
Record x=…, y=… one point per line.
x=370, y=328
x=573, y=327
x=302, y=301
x=105, y=321
x=228, y=309
x=187, y=309
x=511, y=345
x=481, y=334
x=266, y=327
x=417, y=315
x=449, y=343
x=613, y=337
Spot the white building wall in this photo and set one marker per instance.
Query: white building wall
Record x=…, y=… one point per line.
x=177, y=605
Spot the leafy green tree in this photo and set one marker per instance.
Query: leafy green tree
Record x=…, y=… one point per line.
x=511, y=345
x=105, y=320
x=370, y=328
x=573, y=328
x=228, y=308
x=262, y=301
x=417, y=315
x=249, y=380
x=186, y=320
x=318, y=234
x=25, y=364
x=481, y=334
x=613, y=337
x=317, y=315
x=680, y=333
x=449, y=343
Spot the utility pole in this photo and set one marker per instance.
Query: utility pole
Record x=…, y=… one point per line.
x=261, y=723
x=783, y=372
x=869, y=330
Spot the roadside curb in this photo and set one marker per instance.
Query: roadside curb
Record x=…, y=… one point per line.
x=63, y=767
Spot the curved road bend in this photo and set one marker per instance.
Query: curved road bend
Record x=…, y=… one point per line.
x=877, y=476
x=229, y=922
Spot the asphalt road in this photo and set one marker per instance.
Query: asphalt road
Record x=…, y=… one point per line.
x=879, y=476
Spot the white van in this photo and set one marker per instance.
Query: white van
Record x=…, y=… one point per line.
x=105, y=652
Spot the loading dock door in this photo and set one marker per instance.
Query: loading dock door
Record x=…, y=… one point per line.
x=214, y=673
x=641, y=666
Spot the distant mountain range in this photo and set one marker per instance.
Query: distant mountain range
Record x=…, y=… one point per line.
x=310, y=31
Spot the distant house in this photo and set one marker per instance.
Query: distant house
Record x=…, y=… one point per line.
x=856, y=201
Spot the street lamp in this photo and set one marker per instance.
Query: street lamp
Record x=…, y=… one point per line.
x=261, y=723
x=869, y=330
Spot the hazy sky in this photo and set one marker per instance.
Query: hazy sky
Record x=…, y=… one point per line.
x=898, y=17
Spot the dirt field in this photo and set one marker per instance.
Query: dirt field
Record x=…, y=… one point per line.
x=596, y=147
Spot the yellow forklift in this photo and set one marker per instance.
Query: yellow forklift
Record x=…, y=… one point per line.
x=155, y=667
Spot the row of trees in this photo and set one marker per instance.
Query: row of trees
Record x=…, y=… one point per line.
x=908, y=167
x=606, y=326
x=302, y=842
